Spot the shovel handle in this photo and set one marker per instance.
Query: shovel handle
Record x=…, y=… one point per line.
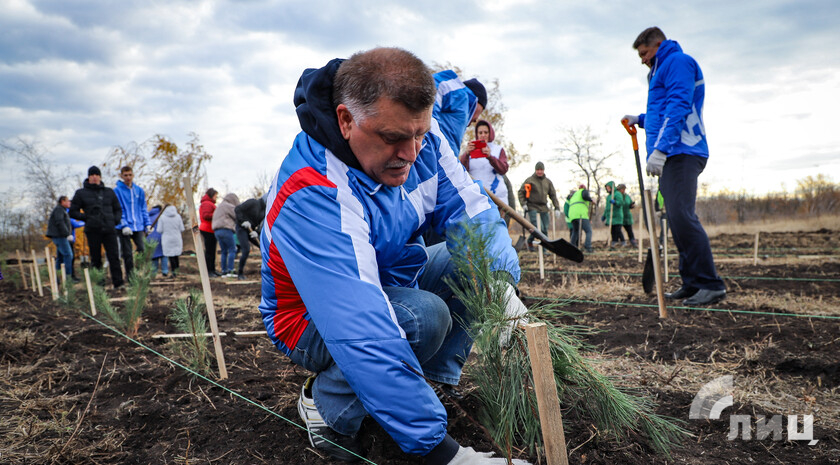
x=632, y=131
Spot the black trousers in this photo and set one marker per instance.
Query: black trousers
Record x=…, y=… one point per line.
x=127, y=250
x=629, y=229
x=173, y=263
x=244, y=247
x=209, y=240
x=678, y=184
x=615, y=232
x=97, y=239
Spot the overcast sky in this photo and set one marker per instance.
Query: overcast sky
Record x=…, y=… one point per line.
x=80, y=77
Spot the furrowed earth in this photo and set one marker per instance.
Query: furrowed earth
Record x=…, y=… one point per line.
x=73, y=391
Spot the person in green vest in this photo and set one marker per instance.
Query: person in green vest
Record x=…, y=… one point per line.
x=579, y=215
x=533, y=196
x=627, y=204
x=659, y=208
x=566, y=212
x=614, y=214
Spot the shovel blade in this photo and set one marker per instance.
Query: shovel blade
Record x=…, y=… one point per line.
x=563, y=249
x=648, y=275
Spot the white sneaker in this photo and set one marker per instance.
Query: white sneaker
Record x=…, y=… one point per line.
x=321, y=436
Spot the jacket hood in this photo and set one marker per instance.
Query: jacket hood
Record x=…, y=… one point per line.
x=667, y=47
x=88, y=185
x=316, y=111
x=492, y=131
x=611, y=185
x=232, y=199
x=170, y=211
x=206, y=198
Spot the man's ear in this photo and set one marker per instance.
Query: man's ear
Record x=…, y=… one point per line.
x=345, y=120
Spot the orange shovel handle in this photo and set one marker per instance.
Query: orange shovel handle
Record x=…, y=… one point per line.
x=632, y=131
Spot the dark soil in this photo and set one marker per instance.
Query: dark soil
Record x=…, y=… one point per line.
x=144, y=410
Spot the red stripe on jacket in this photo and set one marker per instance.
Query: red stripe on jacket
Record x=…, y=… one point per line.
x=289, y=321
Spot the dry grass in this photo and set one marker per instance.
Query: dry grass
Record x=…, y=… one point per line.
x=776, y=225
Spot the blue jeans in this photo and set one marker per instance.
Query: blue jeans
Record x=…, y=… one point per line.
x=437, y=339
x=678, y=184
x=228, y=245
x=544, y=219
x=164, y=265
x=581, y=225
x=65, y=254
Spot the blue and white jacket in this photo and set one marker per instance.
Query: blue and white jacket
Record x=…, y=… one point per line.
x=454, y=106
x=333, y=238
x=673, y=123
x=133, y=203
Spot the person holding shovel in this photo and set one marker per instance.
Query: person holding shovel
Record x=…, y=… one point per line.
x=627, y=206
x=533, y=196
x=349, y=291
x=614, y=214
x=677, y=153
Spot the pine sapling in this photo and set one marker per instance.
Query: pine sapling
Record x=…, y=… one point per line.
x=503, y=376
x=137, y=289
x=190, y=316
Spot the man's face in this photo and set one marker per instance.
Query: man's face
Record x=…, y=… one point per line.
x=647, y=53
x=127, y=177
x=478, y=109
x=387, y=143
x=94, y=178
x=539, y=173
x=483, y=133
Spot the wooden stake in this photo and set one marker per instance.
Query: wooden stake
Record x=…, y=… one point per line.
x=231, y=333
x=540, y=249
x=641, y=245
x=654, y=248
x=20, y=265
x=545, y=387
x=755, y=250
x=51, y=273
x=553, y=236
x=665, y=245
x=37, y=274
x=64, y=281
x=90, y=293
x=32, y=276
x=205, y=280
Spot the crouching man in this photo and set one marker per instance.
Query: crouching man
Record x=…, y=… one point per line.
x=349, y=290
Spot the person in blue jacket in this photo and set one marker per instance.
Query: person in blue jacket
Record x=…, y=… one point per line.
x=135, y=222
x=349, y=290
x=678, y=152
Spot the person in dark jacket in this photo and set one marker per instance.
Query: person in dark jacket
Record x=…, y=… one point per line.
x=678, y=153
x=249, y=218
x=60, y=230
x=533, y=196
x=99, y=208
x=205, y=211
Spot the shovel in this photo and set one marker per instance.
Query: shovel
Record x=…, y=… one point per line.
x=559, y=246
x=648, y=274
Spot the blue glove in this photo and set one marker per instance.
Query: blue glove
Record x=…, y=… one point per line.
x=612, y=201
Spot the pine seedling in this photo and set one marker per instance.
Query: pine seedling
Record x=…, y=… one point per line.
x=190, y=316
x=503, y=376
x=137, y=289
x=68, y=297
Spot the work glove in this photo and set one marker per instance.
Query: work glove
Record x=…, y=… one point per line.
x=246, y=225
x=149, y=229
x=515, y=314
x=254, y=235
x=632, y=120
x=655, y=163
x=70, y=238
x=612, y=201
x=468, y=456
x=126, y=231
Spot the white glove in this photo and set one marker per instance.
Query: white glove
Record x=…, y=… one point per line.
x=70, y=238
x=149, y=229
x=515, y=312
x=246, y=224
x=632, y=120
x=254, y=235
x=126, y=231
x=655, y=163
x=468, y=456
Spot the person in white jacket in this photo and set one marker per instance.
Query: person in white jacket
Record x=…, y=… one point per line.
x=171, y=226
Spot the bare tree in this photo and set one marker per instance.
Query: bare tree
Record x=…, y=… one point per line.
x=583, y=149
x=45, y=181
